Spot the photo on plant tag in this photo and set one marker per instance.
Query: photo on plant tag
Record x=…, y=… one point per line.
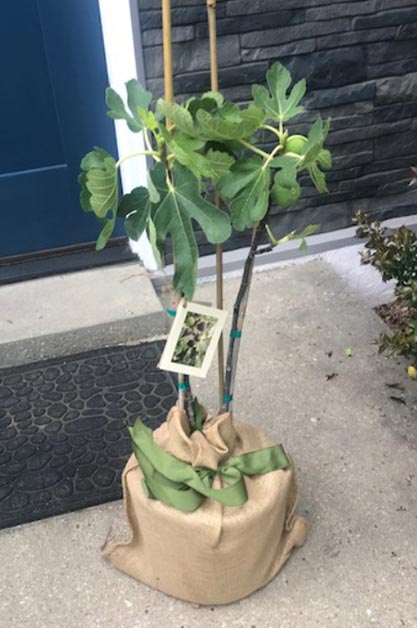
x=193, y=339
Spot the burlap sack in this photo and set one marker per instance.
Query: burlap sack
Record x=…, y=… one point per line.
x=216, y=554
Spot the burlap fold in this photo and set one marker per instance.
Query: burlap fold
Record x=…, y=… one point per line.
x=216, y=554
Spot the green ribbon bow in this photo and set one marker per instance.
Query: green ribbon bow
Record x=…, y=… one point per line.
x=185, y=487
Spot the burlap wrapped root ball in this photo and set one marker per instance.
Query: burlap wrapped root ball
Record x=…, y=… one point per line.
x=216, y=554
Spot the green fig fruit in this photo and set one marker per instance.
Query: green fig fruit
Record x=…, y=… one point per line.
x=295, y=144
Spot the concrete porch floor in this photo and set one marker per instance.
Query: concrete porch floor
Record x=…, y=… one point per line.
x=354, y=445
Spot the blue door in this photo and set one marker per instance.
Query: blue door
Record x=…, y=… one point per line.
x=52, y=112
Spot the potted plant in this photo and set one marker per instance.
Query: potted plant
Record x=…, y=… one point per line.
x=210, y=501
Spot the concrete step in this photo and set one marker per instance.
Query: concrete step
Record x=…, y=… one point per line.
x=74, y=312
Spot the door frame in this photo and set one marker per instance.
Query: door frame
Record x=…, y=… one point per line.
x=120, y=22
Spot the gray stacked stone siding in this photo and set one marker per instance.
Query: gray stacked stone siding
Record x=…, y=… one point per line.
x=360, y=61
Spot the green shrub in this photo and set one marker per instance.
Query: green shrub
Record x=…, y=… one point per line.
x=393, y=252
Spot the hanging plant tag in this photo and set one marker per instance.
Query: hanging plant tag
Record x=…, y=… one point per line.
x=193, y=339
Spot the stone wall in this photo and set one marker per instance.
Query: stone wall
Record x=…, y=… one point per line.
x=360, y=61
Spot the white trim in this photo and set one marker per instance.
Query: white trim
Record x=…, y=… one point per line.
x=119, y=32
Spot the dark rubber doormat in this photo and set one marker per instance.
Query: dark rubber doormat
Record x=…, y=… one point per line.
x=63, y=436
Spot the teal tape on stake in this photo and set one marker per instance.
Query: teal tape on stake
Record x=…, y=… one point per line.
x=171, y=313
x=182, y=386
x=227, y=398
x=235, y=333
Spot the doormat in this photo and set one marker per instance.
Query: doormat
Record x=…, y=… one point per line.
x=63, y=436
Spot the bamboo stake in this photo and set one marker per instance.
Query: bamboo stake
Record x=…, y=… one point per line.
x=167, y=48
x=212, y=29
x=214, y=78
x=169, y=95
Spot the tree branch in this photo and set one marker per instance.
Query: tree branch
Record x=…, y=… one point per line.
x=264, y=249
x=189, y=402
x=254, y=149
x=239, y=311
